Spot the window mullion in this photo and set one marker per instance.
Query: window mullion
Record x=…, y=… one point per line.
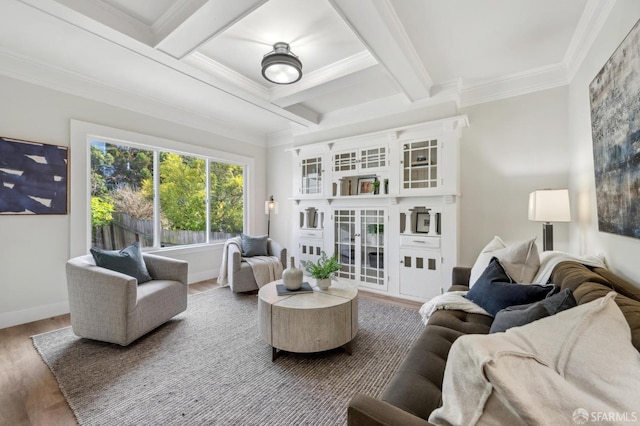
x=207, y=201
x=157, y=226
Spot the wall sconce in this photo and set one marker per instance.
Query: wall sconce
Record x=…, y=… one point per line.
x=549, y=205
x=270, y=206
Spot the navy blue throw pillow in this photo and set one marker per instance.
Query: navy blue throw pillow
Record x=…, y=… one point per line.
x=515, y=316
x=128, y=261
x=495, y=290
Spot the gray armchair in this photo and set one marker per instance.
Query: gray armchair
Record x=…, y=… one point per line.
x=112, y=307
x=240, y=274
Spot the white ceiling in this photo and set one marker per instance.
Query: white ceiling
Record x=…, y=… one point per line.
x=198, y=61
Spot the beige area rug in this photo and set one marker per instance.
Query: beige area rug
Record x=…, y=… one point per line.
x=209, y=366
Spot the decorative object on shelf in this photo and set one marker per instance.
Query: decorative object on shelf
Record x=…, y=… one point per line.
x=615, y=102
x=270, y=206
x=323, y=269
x=281, y=66
x=386, y=186
x=549, y=205
x=365, y=185
x=34, y=176
x=376, y=186
x=423, y=222
x=376, y=259
x=292, y=276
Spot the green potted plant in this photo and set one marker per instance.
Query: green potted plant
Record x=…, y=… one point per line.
x=376, y=186
x=373, y=230
x=323, y=269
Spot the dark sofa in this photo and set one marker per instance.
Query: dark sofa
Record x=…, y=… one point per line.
x=416, y=388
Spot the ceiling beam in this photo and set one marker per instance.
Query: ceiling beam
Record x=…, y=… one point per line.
x=324, y=80
x=377, y=25
x=206, y=22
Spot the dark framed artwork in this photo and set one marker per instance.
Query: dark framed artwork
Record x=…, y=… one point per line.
x=615, y=125
x=423, y=221
x=33, y=177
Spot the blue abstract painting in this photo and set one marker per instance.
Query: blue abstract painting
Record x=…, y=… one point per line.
x=33, y=177
x=615, y=123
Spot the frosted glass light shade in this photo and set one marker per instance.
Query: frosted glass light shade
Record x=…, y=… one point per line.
x=281, y=66
x=549, y=205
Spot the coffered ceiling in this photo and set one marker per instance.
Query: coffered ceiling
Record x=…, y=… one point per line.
x=197, y=62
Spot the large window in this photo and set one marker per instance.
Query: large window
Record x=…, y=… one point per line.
x=162, y=198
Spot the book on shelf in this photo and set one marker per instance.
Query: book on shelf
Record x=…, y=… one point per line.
x=305, y=288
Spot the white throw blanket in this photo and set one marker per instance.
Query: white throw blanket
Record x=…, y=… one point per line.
x=265, y=268
x=576, y=366
x=450, y=300
x=549, y=260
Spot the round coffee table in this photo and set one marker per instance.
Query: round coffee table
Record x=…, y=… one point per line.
x=308, y=322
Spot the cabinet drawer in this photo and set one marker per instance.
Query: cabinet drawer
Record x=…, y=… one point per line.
x=419, y=241
x=311, y=233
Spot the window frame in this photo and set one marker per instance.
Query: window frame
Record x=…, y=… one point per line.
x=83, y=133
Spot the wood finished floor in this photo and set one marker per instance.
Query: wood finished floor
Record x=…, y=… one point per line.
x=29, y=394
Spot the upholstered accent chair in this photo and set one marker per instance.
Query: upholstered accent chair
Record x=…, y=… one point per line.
x=240, y=275
x=112, y=307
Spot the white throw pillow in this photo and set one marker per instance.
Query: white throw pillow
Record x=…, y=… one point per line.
x=520, y=260
x=544, y=372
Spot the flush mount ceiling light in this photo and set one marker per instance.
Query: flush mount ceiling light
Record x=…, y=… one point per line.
x=281, y=66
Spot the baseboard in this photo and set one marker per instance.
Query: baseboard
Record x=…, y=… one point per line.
x=203, y=276
x=9, y=319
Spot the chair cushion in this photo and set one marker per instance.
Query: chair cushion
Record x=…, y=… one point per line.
x=254, y=246
x=128, y=261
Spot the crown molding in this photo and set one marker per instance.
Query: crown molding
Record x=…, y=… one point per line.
x=591, y=21
x=216, y=68
x=354, y=63
x=66, y=81
x=516, y=84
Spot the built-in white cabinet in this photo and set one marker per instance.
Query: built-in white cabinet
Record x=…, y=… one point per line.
x=311, y=234
x=370, y=159
x=311, y=176
x=419, y=165
x=360, y=245
x=386, y=204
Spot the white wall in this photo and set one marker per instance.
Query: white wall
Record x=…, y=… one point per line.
x=280, y=183
x=621, y=252
x=34, y=249
x=511, y=147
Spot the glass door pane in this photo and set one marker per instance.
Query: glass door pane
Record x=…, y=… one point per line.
x=372, y=246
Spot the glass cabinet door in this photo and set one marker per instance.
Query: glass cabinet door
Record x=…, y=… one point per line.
x=372, y=246
x=373, y=158
x=345, y=162
x=420, y=164
x=311, y=169
x=345, y=242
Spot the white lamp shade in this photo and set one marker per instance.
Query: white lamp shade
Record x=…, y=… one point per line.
x=549, y=205
x=270, y=206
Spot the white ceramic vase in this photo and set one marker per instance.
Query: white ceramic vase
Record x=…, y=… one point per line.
x=323, y=283
x=292, y=276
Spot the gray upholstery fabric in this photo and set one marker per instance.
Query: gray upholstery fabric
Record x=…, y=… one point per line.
x=254, y=246
x=128, y=261
x=241, y=277
x=110, y=306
